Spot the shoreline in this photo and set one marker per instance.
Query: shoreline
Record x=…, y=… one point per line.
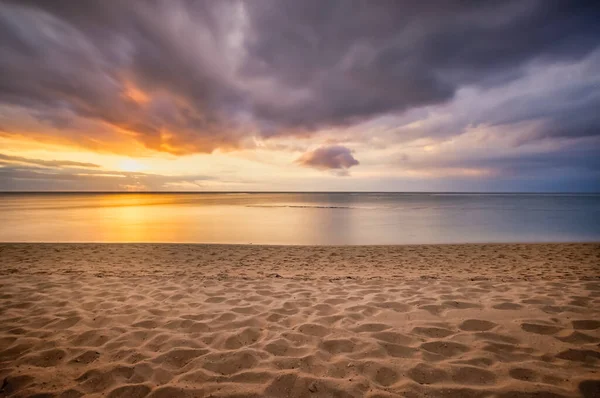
x=582, y=242
x=493, y=261
x=574, y=242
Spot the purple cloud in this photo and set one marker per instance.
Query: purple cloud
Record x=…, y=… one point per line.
x=335, y=157
x=188, y=77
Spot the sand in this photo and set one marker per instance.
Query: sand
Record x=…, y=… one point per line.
x=135, y=320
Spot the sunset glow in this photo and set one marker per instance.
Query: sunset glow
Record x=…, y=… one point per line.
x=229, y=97
x=130, y=165
x=300, y=198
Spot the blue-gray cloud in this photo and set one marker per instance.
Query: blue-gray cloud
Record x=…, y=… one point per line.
x=328, y=157
x=347, y=61
x=194, y=76
x=282, y=65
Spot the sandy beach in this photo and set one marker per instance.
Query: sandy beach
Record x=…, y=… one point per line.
x=136, y=320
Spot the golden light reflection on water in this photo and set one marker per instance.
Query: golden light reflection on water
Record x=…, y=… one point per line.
x=155, y=218
x=125, y=222
x=296, y=218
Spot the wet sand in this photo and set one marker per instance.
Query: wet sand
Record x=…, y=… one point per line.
x=135, y=320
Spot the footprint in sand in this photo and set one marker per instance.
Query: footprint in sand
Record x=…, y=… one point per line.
x=283, y=348
x=586, y=324
x=491, y=336
x=242, y=338
x=380, y=374
x=432, y=332
x=459, y=305
x=371, y=327
x=398, y=351
x=476, y=325
x=578, y=338
x=507, y=306
x=391, y=305
x=46, y=359
x=232, y=362
x=12, y=384
x=338, y=346
x=85, y=359
x=590, y=388
x=473, y=375
x=130, y=391
x=178, y=358
x=313, y=329
x=587, y=356
x=392, y=337
x=445, y=348
x=539, y=329
x=524, y=374
x=426, y=374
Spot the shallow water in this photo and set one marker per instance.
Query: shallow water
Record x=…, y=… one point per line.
x=299, y=218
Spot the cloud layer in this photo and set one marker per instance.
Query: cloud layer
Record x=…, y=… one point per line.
x=26, y=174
x=185, y=77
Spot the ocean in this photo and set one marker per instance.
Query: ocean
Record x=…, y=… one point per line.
x=299, y=218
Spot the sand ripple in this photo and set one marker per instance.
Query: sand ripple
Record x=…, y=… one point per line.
x=70, y=335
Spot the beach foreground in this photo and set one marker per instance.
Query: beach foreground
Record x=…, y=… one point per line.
x=134, y=320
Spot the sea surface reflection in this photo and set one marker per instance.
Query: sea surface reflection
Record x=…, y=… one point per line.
x=299, y=218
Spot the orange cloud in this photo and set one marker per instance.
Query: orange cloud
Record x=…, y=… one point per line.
x=135, y=93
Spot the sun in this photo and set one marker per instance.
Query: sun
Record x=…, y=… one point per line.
x=130, y=165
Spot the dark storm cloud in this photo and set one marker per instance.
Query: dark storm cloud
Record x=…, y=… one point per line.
x=328, y=157
x=342, y=61
x=184, y=77
x=570, y=113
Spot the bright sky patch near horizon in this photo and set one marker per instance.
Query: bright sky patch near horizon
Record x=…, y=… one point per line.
x=299, y=95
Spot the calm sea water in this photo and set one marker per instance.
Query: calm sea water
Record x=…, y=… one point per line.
x=300, y=218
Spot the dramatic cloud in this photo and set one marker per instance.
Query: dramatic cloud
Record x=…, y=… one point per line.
x=154, y=71
x=195, y=76
x=184, y=77
x=330, y=157
x=339, y=62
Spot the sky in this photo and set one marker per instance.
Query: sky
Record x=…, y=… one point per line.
x=309, y=95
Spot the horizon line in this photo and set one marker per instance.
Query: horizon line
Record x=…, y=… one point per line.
x=340, y=192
